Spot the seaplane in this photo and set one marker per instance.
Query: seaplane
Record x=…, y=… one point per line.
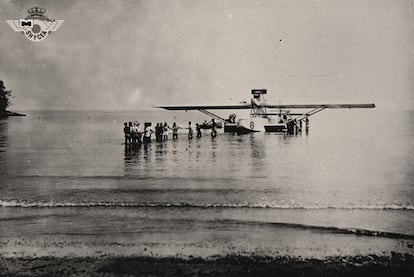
x=266, y=117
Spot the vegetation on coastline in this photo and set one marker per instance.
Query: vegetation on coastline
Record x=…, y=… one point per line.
x=5, y=96
x=5, y=101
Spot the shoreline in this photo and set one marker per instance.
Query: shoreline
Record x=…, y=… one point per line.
x=232, y=265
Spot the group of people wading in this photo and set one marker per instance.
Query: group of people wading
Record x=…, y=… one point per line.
x=136, y=135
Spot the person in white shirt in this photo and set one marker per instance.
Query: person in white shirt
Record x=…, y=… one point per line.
x=147, y=133
x=135, y=133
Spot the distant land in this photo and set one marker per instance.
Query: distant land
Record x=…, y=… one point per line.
x=7, y=114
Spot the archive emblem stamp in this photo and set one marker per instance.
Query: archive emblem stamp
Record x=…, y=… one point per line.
x=36, y=26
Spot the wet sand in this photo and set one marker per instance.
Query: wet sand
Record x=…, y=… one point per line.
x=227, y=250
x=395, y=265
x=177, y=246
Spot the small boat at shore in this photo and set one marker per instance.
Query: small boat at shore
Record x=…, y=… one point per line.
x=209, y=125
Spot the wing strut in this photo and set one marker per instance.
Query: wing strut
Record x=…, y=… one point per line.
x=211, y=114
x=304, y=116
x=312, y=112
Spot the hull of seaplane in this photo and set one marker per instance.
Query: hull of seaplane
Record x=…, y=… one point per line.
x=259, y=124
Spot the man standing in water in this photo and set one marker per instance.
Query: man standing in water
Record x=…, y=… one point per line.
x=135, y=133
x=190, y=131
x=147, y=133
x=198, y=129
x=158, y=132
x=213, y=128
x=175, y=128
x=165, y=131
x=127, y=133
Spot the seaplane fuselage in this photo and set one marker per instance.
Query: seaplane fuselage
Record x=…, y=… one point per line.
x=259, y=124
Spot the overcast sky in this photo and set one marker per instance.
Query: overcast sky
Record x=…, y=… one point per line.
x=130, y=55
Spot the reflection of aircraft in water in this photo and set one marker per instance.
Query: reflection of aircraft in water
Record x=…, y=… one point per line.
x=265, y=117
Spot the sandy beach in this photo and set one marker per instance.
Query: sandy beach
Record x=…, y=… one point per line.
x=209, y=248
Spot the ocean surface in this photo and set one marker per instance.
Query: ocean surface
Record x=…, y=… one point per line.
x=66, y=177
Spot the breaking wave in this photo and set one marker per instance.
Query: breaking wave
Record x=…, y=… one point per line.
x=346, y=231
x=75, y=204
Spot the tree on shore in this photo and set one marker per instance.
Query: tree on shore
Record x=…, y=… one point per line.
x=5, y=96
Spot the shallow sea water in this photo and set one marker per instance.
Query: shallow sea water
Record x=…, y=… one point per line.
x=66, y=176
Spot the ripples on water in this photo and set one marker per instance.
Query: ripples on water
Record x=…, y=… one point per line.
x=345, y=171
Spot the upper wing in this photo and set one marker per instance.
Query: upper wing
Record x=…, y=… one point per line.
x=220, y=107
x=249, y=106
x=54, y=25
x=15, y=25
x=327, y=106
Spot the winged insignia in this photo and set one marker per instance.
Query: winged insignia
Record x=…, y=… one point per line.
x=50, y=26
x=36, y=26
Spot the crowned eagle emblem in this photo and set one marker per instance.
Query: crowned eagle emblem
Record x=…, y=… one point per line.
x=36, y=26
